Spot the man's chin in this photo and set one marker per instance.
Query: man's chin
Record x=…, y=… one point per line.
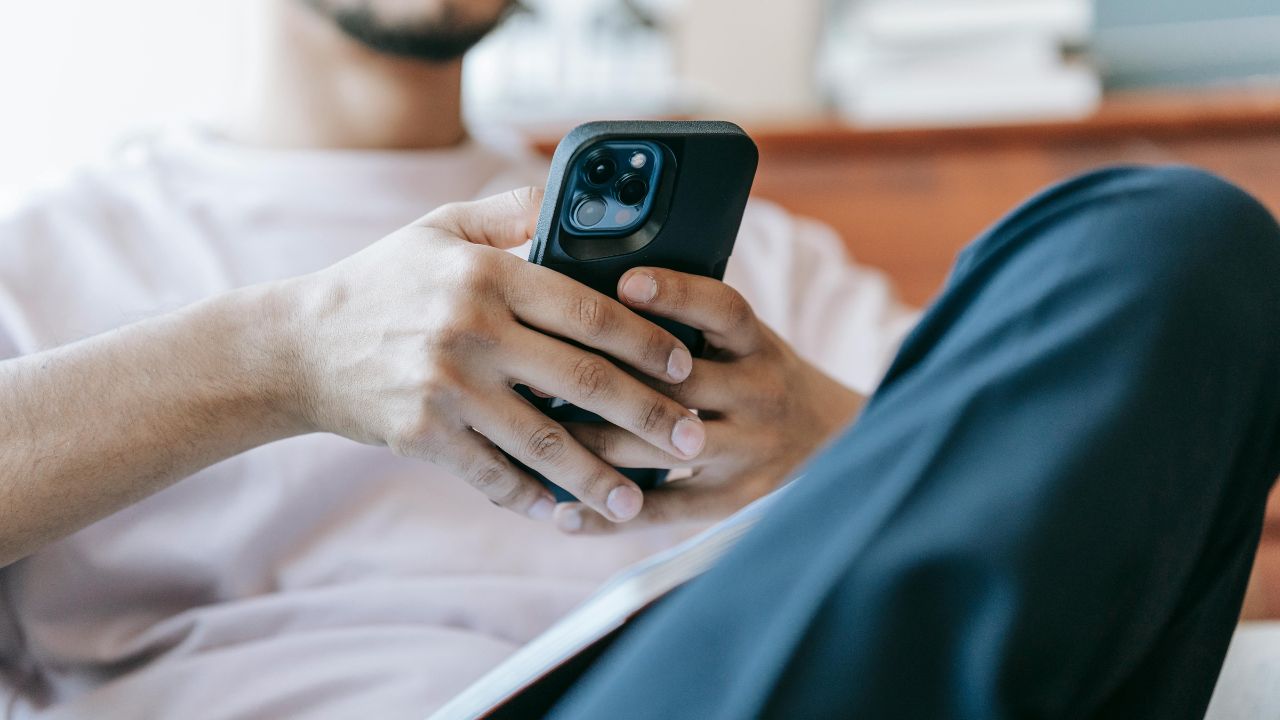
x=440, y=36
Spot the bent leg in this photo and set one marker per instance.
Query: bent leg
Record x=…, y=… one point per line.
x=1048, y=509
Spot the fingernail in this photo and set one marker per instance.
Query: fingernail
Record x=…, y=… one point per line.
x=624, y=502
x=570, y=520
x=689, y=436
x=640, y=288
x=679, y=364
x=543, y=509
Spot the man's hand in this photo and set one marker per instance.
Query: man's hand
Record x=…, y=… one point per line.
x=417, y=342
x=765, y=408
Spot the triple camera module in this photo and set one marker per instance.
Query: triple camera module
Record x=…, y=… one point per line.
x=612, y=190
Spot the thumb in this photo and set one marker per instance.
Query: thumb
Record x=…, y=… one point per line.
x=501, y=221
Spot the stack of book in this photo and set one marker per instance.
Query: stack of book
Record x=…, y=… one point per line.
x=950, y=62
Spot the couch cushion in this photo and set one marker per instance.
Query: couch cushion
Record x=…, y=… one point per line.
x=1249, y=686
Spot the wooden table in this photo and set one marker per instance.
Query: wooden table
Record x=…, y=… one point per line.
x=907, y=200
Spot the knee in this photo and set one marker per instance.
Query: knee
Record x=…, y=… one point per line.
x=1148, y=224
x=1186, y=236
x=1182, y=219
x=1167, y=247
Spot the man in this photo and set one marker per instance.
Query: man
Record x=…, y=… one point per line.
x=968, y=531
x=254, y=258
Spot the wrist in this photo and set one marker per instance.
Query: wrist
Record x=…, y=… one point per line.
x=259, y=327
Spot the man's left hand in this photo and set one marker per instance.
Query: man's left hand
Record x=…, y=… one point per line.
x=765, y=409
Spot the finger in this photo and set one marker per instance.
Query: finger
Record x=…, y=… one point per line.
x=540, y=443
x=709, y=305
x=476, y=461
x=592, y=383
x=556, y=304
x=502, y=221
x=662, y=506
x=712, y=386
x=621, y=448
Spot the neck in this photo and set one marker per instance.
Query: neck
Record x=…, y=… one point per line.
x=313, y=87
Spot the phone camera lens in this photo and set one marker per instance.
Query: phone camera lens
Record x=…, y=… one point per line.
x=601, y=169
x=589, y=211
x=632, y=190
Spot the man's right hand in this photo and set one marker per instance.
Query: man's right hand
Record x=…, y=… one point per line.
x=417, y=342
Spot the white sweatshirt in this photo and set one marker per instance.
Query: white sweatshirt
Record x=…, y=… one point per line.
x=315, y=577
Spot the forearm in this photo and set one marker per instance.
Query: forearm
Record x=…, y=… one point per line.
x=94, y=426
x=412, y=343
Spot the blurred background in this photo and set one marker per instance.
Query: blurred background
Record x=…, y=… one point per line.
x=78, y=73
x=866, y=110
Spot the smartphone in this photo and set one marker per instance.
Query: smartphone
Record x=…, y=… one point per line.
x=641, y=193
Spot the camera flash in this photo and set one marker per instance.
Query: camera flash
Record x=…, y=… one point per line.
x=639, y=160
x=623, y=217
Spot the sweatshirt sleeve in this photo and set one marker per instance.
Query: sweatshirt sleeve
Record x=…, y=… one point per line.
x=843, y=317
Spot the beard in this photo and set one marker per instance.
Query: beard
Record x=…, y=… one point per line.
x=444, y=36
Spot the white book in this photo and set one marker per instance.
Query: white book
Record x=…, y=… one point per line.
x=620, y=599
x=1025, y=52
x=942, y=99
x=922, y=22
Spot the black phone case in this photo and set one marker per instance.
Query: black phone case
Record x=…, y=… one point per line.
x=696, y=222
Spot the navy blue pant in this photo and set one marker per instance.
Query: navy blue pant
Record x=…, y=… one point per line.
x=1048, y=509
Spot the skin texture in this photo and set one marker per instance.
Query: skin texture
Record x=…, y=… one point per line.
x=308, y=85
x=766, y=409
x=408, y=344
x=94, y=426
x=442, y=341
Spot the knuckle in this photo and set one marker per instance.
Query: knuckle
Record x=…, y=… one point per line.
x=509, y=496
x=490, y=476
x=657, y=348
x=593, y=315
x=464, y=328
x=546, y=444
x=449, y=334
x=737, y=311
x=595, y=483
x=477, y=270
x=437, y=388
x=653, y=416
x=526, y=197
x=446, y=216
x=414, y=438
x=590, y=376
